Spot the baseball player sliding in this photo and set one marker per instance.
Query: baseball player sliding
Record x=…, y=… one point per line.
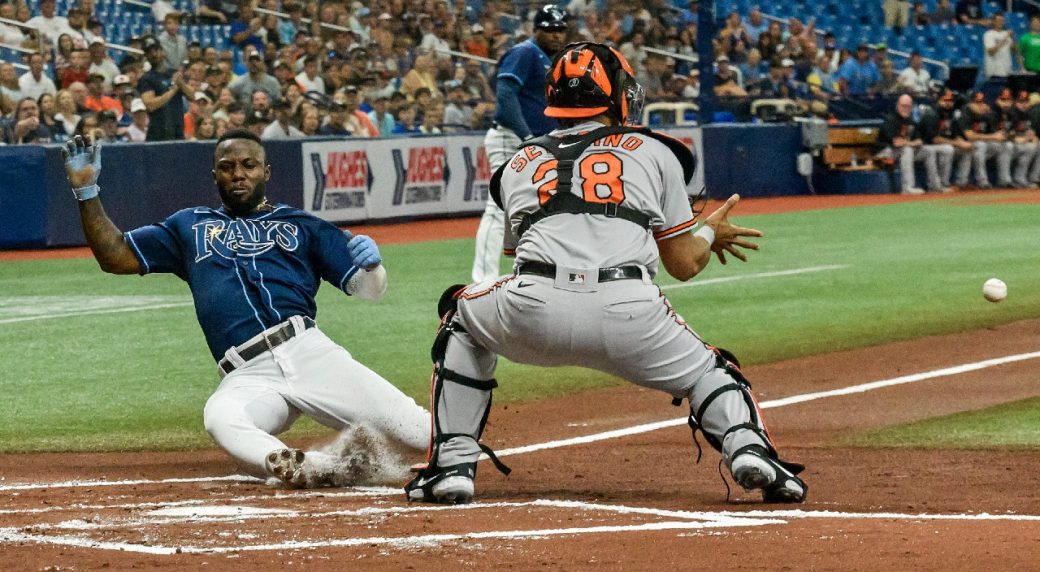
x=254, y=269
x=592, y=209
x=520, y=103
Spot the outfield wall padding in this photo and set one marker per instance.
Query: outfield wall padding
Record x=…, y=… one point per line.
x=341, y=180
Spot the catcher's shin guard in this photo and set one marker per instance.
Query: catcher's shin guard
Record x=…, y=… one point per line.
x=724, y=410
x=461, y=402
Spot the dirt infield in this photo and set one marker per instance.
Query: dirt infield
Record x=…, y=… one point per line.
x=633, y=502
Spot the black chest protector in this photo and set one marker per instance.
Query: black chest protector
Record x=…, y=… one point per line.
x=566, y=151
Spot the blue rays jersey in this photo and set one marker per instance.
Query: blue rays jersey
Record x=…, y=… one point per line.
x=526, y=64
x=247, y=273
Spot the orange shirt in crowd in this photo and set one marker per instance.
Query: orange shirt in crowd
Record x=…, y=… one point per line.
x=99, y=104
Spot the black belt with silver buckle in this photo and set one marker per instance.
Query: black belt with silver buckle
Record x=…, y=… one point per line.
x=276, y=338
x=605, y=274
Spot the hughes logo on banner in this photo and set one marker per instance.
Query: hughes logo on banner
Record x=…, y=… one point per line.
x=342, y=182
x=422, y=175
x=478, y=174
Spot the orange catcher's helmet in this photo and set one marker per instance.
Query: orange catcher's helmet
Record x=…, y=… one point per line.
x=587, y=79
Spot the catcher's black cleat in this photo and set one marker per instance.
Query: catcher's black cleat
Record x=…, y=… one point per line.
x=443, y=485
x=753, y=468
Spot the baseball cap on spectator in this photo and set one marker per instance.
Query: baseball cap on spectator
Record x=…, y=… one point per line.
x=202, y=95
x=97, y=40
x=787, y=63
x=107, y=115
x=255, y=56
x=385, y=16
x=213, y=70
x=137, y=105
x=350, y=89
x=722, y=58
x=477, y=29
x=362, y=12
x=256, y=118
x=282, y=64
x=120, y=80
x=863, y=47
x=95, y=75
x=150, y=43
x=881, y=47
x=281, y=104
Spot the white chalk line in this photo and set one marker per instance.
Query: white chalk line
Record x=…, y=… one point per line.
x=93, y=312
x=861, y=388
x=755, y=275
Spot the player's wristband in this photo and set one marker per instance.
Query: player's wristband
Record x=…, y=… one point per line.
x=707, y=233
x=86, y=193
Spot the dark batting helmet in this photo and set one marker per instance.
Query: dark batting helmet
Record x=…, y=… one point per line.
x=550, y=18
x=587, y=79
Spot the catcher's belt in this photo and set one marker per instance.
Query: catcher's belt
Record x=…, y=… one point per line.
x=605, y=274
x=265, y=341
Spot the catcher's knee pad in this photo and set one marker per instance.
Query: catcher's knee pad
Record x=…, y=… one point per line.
x=724, y=410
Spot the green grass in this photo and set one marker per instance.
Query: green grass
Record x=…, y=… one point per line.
x=1010, y=425
x=139, y=380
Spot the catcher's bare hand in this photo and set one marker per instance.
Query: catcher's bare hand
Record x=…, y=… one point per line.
x=729, y=236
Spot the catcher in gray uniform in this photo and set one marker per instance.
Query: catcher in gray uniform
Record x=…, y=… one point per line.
x=592, y=208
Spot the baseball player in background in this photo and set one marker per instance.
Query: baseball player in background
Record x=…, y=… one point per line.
x=254, y=269
x=519, y=115
x=593, y=208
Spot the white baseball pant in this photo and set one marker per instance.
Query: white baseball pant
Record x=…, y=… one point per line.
x=501, y=144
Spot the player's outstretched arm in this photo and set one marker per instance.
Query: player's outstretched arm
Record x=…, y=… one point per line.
x=686, y=255
x=82, y=167
x=369, y=283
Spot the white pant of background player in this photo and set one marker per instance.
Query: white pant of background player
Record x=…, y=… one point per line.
x=310, y=375
x=500, y=144
x=935, y=158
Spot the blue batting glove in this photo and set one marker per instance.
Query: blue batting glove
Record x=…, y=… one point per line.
x=83, y=167
x=364, y=252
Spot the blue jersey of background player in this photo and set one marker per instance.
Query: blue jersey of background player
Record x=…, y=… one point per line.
x=520, y=81
x=254, y=269
x=519, y=115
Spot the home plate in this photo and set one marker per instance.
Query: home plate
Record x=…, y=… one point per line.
x=189, y=511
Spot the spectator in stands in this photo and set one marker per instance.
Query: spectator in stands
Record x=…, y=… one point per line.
x=108, y=126
x=915, y=79
x=246, y=28
x=173, y=43
x=476, y=82
x=281, y=127
x=34, y=82
x=197, y=109
x=689, y=14
x=459, y=115
x=82, y=34
x=260, y=102
x=943, y=14
x=357, y=121
x=272, y=41
x=206, y=130
x=96, y=100
x=138, y=130
x=310, y=78
x=49, y=24
x=160, y=9
x=335, y=124
x=236, y=115
x=897, y=14
x=244, y=86
x=78, y=69
x=406, y=119
x=477, y=43
x=776, y=85
x=381, y=117
x=10, y=93
x=889, y=84
x=310, y=121
x=768, y=43
x=1029, y=46
x=634, y=50
x=47, y=118
x=62, y=55
x=756, y=25
x=822, y=82
x=432, y=119
x=289, y=27
x=421, y=75
x=859, y=76
x=79, y=96
x=257, y=122
x=223, y=103
x=727, y=82
x=900, y=139
x=161, y=89
x=125, y=96
x=291, y=94
x=754, y=69
x=919, y=15
x=10, y=34
x=998, y=44
x=1020, y=138
x=733, y=34
x=830, y=49
x=100, y=63
x=652, y=74
x=969, y=12
x=25, y=126
x=65, y=111
x=980, y=128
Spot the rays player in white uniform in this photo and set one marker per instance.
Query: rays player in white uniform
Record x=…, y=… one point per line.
x=593, y=208
x=254, y=269
x=519, y=115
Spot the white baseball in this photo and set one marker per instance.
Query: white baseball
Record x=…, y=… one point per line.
x=994, y=290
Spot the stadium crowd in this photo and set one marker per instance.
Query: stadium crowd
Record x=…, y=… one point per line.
x=387, y=69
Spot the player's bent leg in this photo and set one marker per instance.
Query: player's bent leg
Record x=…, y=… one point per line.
x=243, y=416
x=723, y=408
x=461, y=395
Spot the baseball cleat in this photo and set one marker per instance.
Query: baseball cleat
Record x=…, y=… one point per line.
x=286, y=465
x=443, y=485
x=755, y=469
